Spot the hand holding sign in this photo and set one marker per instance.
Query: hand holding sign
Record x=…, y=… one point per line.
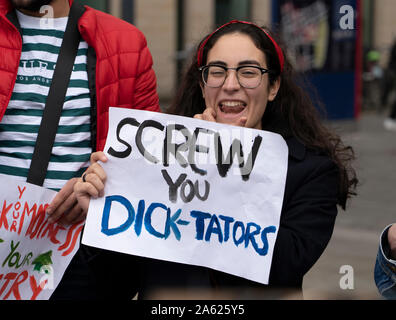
x=65, y=209
x=93, y=186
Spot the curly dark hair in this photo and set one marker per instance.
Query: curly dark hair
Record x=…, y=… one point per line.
x=292, y=108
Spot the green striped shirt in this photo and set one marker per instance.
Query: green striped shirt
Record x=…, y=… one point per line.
x=21, y=122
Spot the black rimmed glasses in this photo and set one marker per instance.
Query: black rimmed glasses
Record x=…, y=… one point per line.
x=214, y=75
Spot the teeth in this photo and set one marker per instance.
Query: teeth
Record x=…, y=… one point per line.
x=232, y=104
x=232, y=107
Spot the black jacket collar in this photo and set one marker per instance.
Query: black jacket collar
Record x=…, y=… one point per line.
x=296, y=149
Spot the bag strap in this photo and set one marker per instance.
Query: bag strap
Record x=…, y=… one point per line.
x=56, y=98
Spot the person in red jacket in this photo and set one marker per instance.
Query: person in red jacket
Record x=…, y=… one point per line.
x=117, y=71
x=113, y=68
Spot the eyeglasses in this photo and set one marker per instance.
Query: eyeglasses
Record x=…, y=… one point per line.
x=249, y=77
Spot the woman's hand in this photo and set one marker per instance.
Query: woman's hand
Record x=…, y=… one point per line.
x=65, y=209
x=209, y=115
x=92, y=182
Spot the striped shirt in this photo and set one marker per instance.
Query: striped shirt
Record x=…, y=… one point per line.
x=21, y=122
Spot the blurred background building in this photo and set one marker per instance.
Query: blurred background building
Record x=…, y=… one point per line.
x=311, y=29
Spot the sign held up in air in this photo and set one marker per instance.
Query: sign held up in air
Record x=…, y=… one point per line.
x=190, y=191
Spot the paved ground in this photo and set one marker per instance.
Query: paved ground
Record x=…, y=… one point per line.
x=355, y=238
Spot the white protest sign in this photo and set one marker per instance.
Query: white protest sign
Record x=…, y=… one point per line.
x=34, y=254
x=173, y=192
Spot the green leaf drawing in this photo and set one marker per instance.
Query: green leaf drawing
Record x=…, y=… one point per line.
x=1, y=240
x=42, y=260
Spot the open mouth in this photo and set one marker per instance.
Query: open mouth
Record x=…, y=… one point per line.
x=232, y=107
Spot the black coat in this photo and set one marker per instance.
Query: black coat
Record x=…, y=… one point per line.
x=306, y=225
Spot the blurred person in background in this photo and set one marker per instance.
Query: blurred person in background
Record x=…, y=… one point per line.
x=372, y=78
x=385, y=265
x=388, y=87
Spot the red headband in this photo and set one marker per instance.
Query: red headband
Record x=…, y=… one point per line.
x=277, y=48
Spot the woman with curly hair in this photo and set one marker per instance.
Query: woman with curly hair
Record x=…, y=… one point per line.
x=241, y=76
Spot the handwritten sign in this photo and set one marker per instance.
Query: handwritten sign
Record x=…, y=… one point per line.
x=34, y=254
x=190, y=191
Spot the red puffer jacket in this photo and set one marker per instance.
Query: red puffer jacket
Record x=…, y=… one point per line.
x=123, y=69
